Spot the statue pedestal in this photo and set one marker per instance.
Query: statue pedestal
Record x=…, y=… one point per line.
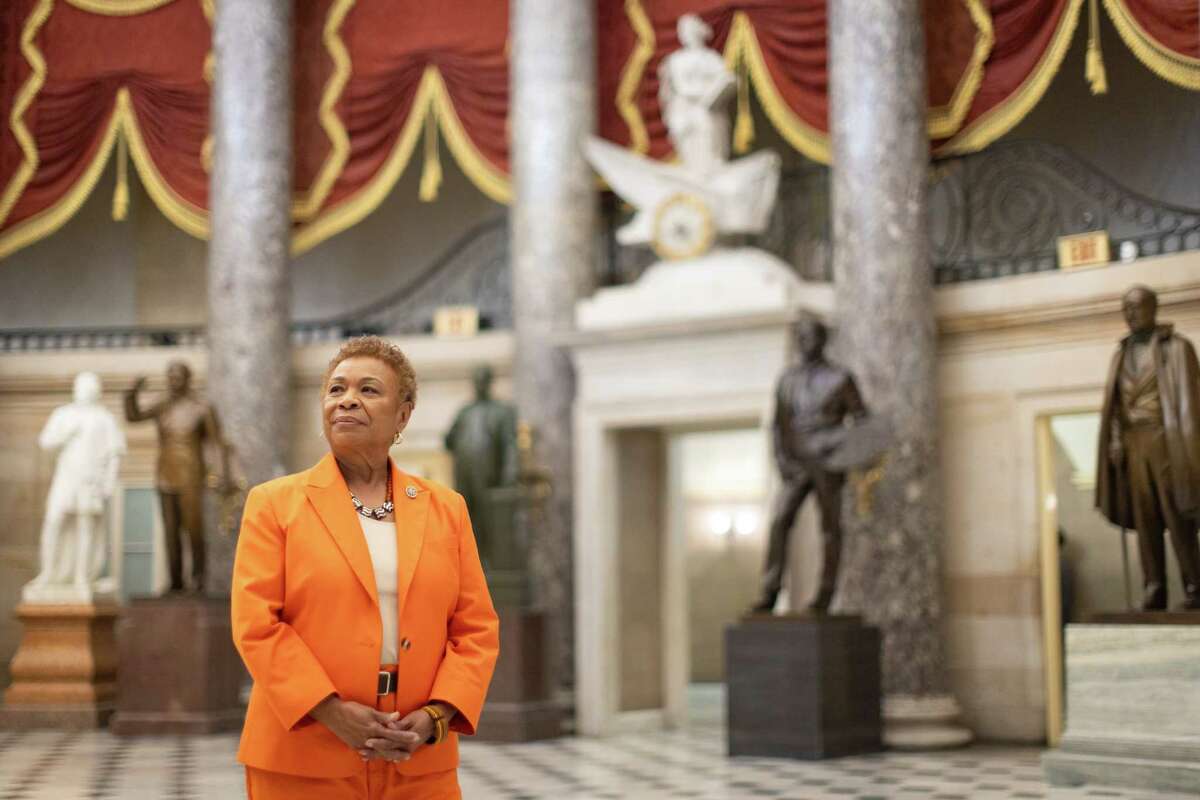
x=1133, y=708
x=519, y=707
x=724, y=282
x=64, y=671
x=180, y=673
x=803, y=686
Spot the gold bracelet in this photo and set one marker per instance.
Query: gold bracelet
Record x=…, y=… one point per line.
x=439, y=724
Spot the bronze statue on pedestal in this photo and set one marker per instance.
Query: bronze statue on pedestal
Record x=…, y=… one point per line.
x=1148, y=476
x=814, y=400
x=483, y=441
x=187, y=426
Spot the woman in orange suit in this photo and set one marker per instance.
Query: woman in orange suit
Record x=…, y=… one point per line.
x=360, y=608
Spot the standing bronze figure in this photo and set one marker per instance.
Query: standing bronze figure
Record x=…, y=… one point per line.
x=813, y=401
x=187, y=426
x=1148, y=476
x=483, y=440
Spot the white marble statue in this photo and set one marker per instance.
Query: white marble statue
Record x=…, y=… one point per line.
x=75, y=531
x=683, y=207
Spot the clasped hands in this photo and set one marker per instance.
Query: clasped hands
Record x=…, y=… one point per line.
x=372, y=733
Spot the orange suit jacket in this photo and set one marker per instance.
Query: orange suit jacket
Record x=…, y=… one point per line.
x=306, y=617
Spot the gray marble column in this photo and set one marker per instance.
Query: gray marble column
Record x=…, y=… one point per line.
x=886, y=333
x=250, y=198
x=552, y=218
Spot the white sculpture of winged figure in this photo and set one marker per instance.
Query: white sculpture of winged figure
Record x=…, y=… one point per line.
x=695, y=89
x=75, y=532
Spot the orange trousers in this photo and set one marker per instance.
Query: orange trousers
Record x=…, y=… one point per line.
x=378, y=780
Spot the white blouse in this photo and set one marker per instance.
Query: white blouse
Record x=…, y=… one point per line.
x=381, y=542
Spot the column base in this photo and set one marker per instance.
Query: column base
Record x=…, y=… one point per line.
x=923, y=723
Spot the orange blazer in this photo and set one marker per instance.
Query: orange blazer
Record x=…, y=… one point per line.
x=306, y=617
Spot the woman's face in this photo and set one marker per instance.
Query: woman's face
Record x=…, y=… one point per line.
x=362, y=409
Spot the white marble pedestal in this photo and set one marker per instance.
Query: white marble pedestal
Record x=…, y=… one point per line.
x=1133, y=707
x=723, y=282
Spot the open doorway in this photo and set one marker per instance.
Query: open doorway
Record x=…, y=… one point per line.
x=717, y=500
x=1089, y=565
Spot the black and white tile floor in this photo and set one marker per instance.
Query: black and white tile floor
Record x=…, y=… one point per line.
x=43, y=765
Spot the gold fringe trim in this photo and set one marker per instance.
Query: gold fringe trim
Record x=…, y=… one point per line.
x=306, y=208
x=743, y=127
x=1175, y=67
x=1093, y=69
x=118, y=8
x=1001, y=119
x=631, y=76
x=209, y=69
x=33, y=85
x=51, y=219
x=432, y=98
x=945, y=121
x=120, y=208
x=187, y=217
x=431, y=174
x=742, y=46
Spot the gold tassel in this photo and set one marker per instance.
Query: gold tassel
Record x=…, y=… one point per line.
x=743, y=127
x=120, y=203
x=1094, y=62
x=431, y=174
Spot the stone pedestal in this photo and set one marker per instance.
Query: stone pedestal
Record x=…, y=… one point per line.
x=180, y=673
x=803, y=686
x=724, y=282
x=519, y=705
x=1133, y=707
x=65, y=669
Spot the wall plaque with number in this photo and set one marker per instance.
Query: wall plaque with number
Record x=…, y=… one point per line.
x=456, y=321
x=1083, y=250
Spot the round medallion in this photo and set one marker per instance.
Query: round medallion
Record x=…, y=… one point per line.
x=683, y=227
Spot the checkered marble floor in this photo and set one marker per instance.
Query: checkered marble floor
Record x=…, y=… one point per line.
x=44, y=765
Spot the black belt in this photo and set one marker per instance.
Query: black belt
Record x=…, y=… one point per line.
x=386, y=683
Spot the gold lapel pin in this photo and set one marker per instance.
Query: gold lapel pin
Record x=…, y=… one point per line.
x=411, y=492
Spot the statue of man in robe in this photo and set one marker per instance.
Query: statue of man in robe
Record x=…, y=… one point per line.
x=1148, y=477
x=187, y=427
x=483, y=441
x=90, y=445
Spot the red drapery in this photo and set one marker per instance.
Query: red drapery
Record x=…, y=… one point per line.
x=376, y=79
x=988, y=63
x=1164, y=34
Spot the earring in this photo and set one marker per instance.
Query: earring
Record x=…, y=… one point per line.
x=398, y=438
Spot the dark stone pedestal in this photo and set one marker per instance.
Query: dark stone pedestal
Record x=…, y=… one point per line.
x=803, y=686
x=180, y=673
x=64, y=671
x=519, y=708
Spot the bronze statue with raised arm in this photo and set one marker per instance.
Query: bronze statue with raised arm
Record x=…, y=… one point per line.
x=187, y=427
x=1148, y=476
x=814, y=400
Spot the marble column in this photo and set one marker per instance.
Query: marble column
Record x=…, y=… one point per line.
x=552, y=221
x=250, y=199
x=886, y=333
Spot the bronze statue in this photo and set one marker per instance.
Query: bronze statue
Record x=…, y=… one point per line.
x=813, y=402
x=187, y=426
x=1148, y=476
x=483, y=440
